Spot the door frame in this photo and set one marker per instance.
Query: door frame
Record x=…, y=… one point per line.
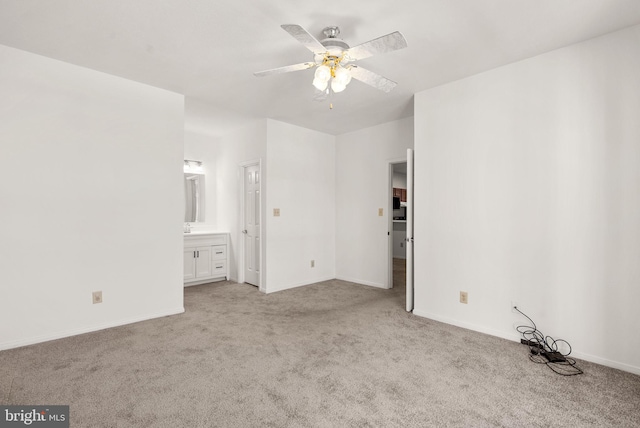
x=391, y=163
x=411, y=157
x=242, y=166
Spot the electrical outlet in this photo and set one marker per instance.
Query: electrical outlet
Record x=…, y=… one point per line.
x=464, y=297
x=313, y=263
x=276, y=212
x=514, y=305
x=97, y=297
x=380, y=212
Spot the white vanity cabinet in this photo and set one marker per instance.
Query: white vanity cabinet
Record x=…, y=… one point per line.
x=205, y=257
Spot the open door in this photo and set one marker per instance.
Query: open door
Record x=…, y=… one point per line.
x=251, y=227
x=409, y=238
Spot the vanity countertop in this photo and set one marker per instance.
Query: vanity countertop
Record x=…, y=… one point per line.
x=201, y=233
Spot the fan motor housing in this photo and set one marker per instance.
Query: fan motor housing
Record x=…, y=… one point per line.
x=334, y=45
x=337, y=44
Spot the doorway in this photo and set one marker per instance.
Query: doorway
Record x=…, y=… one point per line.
x=251, y=219
x=398, y=226
x=400, y=231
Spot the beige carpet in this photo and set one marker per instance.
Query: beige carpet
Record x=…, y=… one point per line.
x=326, y=355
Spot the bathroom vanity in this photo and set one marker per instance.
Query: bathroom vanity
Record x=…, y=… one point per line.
x=205, y=257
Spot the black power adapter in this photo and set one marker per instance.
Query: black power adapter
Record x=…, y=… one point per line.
x=554, y=357
x=532, y=343
x=538, y=349
x=547, y=347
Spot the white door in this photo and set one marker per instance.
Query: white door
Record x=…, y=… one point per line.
x=203, y=262
x=252, y=224
x=409, y=238
x=189, y=263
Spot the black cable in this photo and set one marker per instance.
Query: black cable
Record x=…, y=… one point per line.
x=544, y=349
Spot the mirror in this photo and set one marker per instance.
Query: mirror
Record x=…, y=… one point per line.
x=193, y=197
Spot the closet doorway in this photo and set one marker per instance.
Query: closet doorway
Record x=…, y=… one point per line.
x=401, y=229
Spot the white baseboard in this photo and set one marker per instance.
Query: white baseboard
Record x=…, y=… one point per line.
x=516, y=338
x=605, y=362
x=360, y=281
x=474, y=327
x=75, y=332
x=204, y=281
x=270, y=290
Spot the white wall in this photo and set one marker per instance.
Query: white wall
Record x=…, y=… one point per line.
x=301, y=183
x=399, y=180
x=527, y=190
x=91, y=194
x=230, y=151
x=362, y=178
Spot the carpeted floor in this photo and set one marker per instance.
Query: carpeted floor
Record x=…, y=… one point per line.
x=325, y=355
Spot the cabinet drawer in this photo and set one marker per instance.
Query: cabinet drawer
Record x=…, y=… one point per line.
x=219, y=267
x=202, y=239
x=218, y=240
x=219, y=252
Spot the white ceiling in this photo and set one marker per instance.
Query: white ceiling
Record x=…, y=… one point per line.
x=208, y=50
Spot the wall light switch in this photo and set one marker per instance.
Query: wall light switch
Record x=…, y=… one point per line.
x=276, y=212
x=380, y=212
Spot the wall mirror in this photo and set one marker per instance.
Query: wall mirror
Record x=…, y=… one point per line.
x=193, y=197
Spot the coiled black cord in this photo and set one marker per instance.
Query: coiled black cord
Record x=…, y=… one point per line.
x=541, y=345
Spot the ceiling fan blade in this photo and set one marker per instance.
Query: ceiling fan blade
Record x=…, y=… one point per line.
x=371, y=78
x=305, y=38
x=390, y=42
x=287, y=69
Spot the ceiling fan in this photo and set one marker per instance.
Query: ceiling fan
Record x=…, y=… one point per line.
x=334, y=59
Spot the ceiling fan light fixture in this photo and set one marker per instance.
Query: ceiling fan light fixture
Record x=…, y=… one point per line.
x=320, y=85
x=331, y=55
x=323, y=73
x=342, y=76
x=337, y=86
